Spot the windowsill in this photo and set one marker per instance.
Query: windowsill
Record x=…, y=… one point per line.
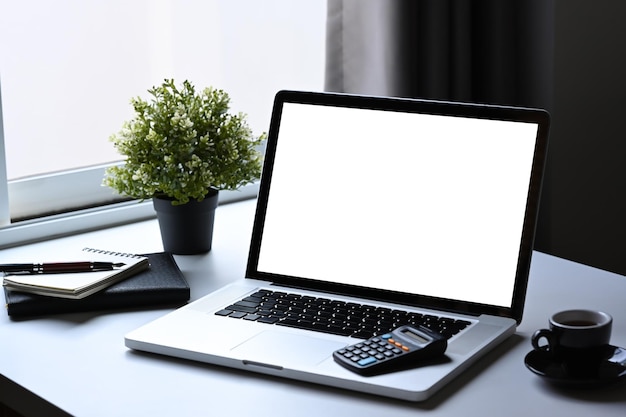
x=59, y=225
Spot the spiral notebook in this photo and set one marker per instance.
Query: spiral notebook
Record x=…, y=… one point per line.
x=78, y=285
x=161, y=285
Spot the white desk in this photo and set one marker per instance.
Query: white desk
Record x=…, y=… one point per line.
x=79, y=362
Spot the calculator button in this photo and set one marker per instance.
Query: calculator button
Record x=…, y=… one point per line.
x=367, y=361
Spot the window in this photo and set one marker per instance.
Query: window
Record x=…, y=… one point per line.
x=4, y=203
x=70, y=67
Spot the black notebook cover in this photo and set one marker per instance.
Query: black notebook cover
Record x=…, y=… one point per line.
x=163, y=284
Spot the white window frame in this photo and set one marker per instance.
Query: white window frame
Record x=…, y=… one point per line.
x=81, y=189
x=84, y=183
x=5, y=217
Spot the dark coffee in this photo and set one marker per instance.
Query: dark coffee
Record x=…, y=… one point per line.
x=579, y=323
x=575, y=335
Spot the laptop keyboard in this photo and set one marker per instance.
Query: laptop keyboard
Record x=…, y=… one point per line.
x=332, y=316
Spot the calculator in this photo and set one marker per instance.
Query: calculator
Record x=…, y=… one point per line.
x=402, y=348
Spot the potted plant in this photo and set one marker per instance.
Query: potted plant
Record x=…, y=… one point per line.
x=180, y=149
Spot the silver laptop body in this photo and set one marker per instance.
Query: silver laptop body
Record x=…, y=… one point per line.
x=411, y=205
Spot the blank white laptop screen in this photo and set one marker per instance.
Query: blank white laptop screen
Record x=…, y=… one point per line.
x=413, y=203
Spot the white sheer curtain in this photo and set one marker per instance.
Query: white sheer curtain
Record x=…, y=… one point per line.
x=361, y=52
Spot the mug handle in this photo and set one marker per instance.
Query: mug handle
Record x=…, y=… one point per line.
x=543, y=334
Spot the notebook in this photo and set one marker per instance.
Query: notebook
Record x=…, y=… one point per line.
x=163, y=284
x=408, y=207
x=78, y=285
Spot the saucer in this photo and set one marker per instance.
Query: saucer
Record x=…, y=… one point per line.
x=609, y=370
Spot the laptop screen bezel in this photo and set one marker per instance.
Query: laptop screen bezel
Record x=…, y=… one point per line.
x=505, y=113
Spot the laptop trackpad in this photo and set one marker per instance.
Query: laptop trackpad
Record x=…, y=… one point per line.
x=283, y=350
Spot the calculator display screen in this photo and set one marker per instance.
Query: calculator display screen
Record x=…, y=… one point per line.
x=414, y=336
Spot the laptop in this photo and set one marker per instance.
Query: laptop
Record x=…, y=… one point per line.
x=400, y=209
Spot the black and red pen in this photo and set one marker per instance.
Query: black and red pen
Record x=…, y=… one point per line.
x=59, y=267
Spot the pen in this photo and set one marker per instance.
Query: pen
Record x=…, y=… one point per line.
x=59, y=267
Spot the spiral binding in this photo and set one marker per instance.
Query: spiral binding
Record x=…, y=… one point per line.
x=112, y=253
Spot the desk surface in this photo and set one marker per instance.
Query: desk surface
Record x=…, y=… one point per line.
x=79, y=363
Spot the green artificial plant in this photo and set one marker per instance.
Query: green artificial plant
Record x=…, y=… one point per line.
x=182, y=143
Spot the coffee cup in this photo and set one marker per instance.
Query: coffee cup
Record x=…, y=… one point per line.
x=579, y=338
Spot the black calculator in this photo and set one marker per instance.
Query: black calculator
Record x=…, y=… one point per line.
x=404, y=347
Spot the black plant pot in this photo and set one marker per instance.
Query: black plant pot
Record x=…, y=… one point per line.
x=187, y=229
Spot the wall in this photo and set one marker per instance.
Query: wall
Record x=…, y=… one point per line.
x=584, y=201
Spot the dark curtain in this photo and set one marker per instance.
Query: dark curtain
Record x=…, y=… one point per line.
x=482, y=51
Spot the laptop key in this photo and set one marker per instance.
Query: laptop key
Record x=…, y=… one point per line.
x=268, y=319
x=324, y=328
x=241, y=308
x=317, y=326
x=247, y=304
x=261, y=294
x=224, y=312
x=363, y=334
